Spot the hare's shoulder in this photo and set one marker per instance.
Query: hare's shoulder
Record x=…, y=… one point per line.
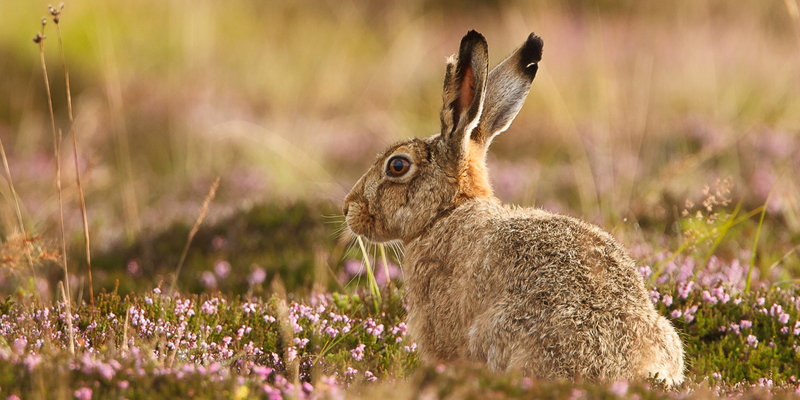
x=537, y=236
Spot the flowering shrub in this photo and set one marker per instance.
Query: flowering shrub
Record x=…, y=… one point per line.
x=204, y=345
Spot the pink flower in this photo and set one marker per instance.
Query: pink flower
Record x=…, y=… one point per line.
x=745, y=324
x=783, y=318
x=752, y=341
x=667, y=300
x=83, y=394
x=776, y=309
x=685, y=288
x=676, y=314
x=370, y=376
x=688, y=314
x=654, y=296
x=619, y=388
x=257, y=277
x=222, y=268
x=708, y=298
x=358, y=352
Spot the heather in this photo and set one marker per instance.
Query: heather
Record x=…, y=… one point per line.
x=673, y=126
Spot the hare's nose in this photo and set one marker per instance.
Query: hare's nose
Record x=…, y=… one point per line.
x=346, y=207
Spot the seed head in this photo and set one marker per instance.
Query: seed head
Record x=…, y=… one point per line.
x=38, y=38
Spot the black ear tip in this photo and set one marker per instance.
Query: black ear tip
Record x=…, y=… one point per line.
x=472, y=38
x=531, y=53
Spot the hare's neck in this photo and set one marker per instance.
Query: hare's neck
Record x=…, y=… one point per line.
x=473, y=180
x=436, y=250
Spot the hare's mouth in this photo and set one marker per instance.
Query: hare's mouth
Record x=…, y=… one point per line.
x=359, y=220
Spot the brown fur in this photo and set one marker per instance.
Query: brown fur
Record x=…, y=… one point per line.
x=506, y=286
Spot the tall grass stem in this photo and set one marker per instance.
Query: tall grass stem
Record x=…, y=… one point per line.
x=212, y=191
x=373, y=285
x=758, y=232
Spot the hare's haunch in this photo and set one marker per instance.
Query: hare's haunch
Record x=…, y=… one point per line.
x=506, y=286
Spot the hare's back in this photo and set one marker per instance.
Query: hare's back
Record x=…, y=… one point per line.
x=554, y=259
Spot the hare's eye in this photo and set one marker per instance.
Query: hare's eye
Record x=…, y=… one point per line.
x=397, y=166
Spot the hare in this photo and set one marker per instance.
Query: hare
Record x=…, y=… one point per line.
x=510, y=287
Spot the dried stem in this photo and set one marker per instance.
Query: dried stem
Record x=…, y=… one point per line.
x=87, y=243
x=17, y=209
x=212, y=191
x=39, y=39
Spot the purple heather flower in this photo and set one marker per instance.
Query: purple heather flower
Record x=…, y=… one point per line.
x=685, y=288
x=676, y=313
x=752, y=340
x=688, y=314
x=785, y=330
x=291, y=353
x=776, y=309
x=83, y=394
x=350, y=371
x=708, y=298
x=783, y=318
x=654, y=296
x=358, y=352
x=208, y=280
x=222, y=268
x=257, y=276
x=746, y=324
x=760, y=301
x=370, y=376
x=157, y=290
x=619, y=388
x=720, y=294
x=667, y=300
x=645, y=270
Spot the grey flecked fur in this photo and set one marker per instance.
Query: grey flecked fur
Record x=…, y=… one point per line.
x=511, y=287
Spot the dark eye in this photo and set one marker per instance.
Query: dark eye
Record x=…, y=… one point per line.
x=398, y=166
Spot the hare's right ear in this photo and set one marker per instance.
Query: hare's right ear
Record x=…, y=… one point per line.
x=463, y=94
x=508, y=86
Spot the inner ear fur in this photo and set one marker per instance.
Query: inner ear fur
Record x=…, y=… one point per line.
x=464, y=91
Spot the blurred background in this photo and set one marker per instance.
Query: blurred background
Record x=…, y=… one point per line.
x=637, y=107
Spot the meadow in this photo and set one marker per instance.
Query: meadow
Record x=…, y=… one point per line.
x=215, y=144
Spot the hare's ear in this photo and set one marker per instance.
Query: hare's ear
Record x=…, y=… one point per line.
x=464, y=91
x=508, y=86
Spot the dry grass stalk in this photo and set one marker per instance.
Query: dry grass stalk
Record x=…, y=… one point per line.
x=17, y=209
x=39, y=39
x=212, y=191
x=56, y=13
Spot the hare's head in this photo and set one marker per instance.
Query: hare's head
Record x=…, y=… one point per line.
x=415, y=182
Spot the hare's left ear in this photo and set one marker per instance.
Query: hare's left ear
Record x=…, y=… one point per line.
x=464, y=91
x=508, y=86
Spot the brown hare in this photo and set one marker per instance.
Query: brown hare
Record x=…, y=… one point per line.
x=511, y=287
